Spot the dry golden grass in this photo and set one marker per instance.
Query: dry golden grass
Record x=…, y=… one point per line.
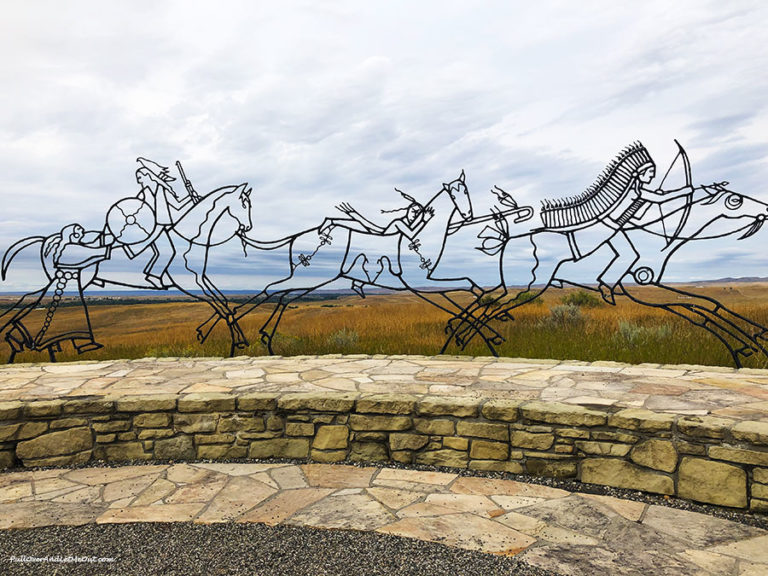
x=404, y=324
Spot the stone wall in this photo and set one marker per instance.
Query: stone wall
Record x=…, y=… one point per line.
x=703, y=458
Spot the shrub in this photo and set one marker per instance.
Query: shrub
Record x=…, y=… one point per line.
x=344, y=339
x=632, y=335
x=582, y=298
x=563, y=316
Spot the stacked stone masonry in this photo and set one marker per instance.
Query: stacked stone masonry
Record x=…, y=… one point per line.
x=706, y=458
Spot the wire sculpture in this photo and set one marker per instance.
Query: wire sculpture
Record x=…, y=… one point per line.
x=169, y=236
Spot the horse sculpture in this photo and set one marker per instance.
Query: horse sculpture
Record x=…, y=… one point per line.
x=549, y=258
x=216, y=218
x=396, y=262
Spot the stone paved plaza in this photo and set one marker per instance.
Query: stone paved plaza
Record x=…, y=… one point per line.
x=691, y=431
x=565, y=532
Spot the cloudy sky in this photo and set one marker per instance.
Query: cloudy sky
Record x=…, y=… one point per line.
x=316, y=103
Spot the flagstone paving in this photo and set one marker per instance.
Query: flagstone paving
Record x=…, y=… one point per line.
x=677, y=389
x=565, y=532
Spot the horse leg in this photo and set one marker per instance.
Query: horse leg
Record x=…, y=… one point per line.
x=269, y=328
x=705, y=313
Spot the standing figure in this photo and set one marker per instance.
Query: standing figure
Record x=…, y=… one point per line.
x=168, y=207
x=66, y=258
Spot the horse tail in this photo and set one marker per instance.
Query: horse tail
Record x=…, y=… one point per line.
x=11, y=253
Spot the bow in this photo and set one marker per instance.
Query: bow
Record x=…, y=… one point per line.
x=688, y=197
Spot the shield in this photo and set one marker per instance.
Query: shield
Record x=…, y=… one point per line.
x=131, y=221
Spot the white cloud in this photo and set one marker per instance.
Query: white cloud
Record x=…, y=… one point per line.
x=315, y=104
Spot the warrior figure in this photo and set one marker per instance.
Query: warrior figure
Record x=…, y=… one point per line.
x=614, y=203
x=157, y=192
x=416, y=217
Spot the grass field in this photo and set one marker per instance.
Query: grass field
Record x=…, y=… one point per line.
x=403, y=324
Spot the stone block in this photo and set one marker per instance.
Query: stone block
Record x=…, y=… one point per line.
x=496, y=466
x=299, y=429
x=760, y=475
x=717, y=483
x=436, y=426
x=214, y=438
x=191, y=423
x=602, y=448
x=656, y=454
x=402, y=456
x=147, y=403
x=151, y=433
x=126, y=436
x=445, y=457
x=275, y=422
x=331, y=437
x=641, y=419
x=279, y=448
x=455, y=443
x=112, y=426
x=622, y=474
x=8, y=432
x=221, y=452
x=757, y=505
x=737, y=455
x=328, y=456
x=564, y=414
x=152, y=420
x=704, y=426
x=67, y=460
x=62, y=423
x=43, y=408
x=750, y=431
x=552, y=469
x=368, y=452
x=387, y=404
x=31, y=430
x=389, y=423
x=684, y=447
x=522, y=439
x=485, y=450
x=572, y=433
x=104, y=405
x=501, y=409
x=605, y=436
x=7, y=459
x=487, y=430
x=55, y=444
x=317, y=401
x=105, y=438
x=404, y=441
x=207, y=402
x=121, y=452
x=11, y=410
x=760, y=491
x=443, y=406
x=257, y=401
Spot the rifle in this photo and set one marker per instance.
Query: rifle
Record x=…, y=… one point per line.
x=187, y=184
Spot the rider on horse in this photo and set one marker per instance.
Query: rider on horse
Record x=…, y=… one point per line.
x=167, y=206
x=615, y=202
x=416, y=217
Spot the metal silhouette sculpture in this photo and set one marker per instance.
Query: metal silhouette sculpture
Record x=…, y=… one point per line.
x=634, y=227
x=170, y=235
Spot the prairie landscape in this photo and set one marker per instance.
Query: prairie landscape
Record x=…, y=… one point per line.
x=565, y=323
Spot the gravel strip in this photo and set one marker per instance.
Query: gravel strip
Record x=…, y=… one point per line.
x=241, y=549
